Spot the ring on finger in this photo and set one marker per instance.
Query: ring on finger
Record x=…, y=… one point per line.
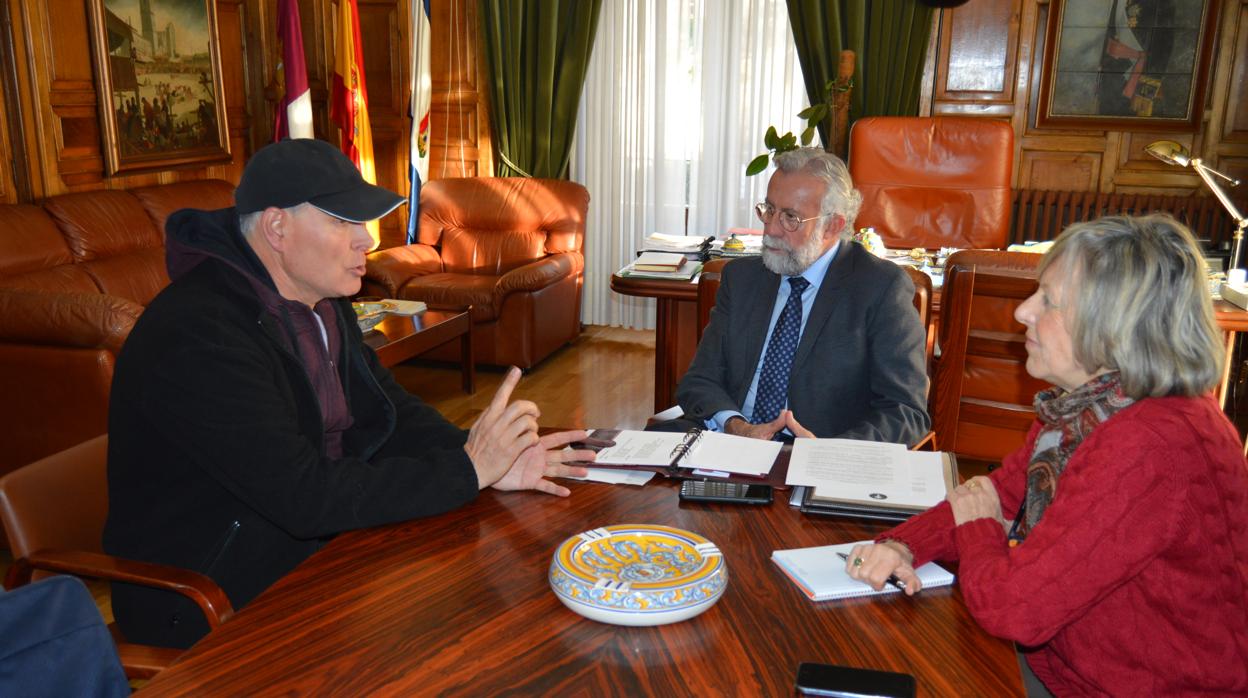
x=857, y=562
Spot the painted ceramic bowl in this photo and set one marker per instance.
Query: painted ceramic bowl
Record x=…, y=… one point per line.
x=368, y=314
x=637, y=574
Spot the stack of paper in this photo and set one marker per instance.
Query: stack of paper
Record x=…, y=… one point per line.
x=867, y=479
x=821, y=574
x=686, y=244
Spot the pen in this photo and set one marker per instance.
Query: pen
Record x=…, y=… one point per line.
x=892, y=578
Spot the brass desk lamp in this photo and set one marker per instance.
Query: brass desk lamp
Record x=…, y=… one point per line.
x=1174, y=154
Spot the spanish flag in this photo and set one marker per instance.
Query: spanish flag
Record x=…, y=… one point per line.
x=349, y=103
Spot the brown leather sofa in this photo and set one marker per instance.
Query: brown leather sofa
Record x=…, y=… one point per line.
x=75, y=273
x=510, y=247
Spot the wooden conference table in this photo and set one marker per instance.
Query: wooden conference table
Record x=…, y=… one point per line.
x=459, y=604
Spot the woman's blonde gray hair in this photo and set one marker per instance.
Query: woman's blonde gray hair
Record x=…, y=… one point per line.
x=1138, y=300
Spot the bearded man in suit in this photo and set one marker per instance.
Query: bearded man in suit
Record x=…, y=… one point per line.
x=815, y=337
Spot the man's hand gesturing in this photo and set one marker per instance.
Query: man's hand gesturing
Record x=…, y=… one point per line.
x=501, y=433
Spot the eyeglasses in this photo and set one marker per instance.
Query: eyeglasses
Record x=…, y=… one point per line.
x=788, y=220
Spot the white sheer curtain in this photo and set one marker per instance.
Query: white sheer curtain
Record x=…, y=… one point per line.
x=676, y=101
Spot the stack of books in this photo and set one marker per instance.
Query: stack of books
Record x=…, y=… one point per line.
x=662, y=265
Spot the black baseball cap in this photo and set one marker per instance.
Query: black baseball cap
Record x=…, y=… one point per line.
x=306, y=170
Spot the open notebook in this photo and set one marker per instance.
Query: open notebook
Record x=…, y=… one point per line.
x=820, y=573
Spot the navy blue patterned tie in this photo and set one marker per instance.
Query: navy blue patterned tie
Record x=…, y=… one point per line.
x=773, y=381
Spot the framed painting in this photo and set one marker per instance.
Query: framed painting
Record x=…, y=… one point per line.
x=1126, y=64
x=158, y=75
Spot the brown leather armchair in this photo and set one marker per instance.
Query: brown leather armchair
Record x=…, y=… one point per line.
x=934, y=182
x=53, y=512
x=510, y=247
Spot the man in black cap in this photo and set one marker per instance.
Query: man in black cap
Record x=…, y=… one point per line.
x=248, y=421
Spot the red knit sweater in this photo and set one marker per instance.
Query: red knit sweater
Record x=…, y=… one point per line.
x=1135, y=582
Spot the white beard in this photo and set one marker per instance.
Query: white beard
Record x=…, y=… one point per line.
x=782, y=258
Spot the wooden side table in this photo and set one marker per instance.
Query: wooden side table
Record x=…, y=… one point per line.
x=398, y=338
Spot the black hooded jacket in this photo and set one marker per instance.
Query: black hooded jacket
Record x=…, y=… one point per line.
x=216, y=454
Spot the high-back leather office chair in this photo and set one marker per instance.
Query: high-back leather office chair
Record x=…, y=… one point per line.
x=982, y=399
x=934, y=182
x=54, y=511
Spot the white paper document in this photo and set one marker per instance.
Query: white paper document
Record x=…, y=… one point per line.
x=617, y=477
x=888, y=474
x=707, y=450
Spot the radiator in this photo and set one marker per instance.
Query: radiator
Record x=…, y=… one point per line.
x=1040, y=215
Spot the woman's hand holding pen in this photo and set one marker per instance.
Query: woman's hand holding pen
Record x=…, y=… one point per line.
x=875, y=563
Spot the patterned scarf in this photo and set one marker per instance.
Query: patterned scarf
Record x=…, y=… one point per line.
x=1067, y=418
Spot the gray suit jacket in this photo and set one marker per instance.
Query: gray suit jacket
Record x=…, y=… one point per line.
x=859, y=370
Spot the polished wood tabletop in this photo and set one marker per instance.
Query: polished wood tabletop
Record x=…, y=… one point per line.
x=459, y=604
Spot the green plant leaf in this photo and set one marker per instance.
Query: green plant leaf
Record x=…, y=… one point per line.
x=770, y=139
x=805, y=113
x=787, y=142
x=808, y=135
x=756, y=165
x=819, y=113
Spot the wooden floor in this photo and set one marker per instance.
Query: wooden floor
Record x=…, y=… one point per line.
x=603, y=379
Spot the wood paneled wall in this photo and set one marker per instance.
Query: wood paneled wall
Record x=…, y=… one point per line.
x=987, y=61
x=50, y=139
x=984, y=60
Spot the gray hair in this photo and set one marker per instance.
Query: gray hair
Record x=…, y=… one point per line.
x=841, y=196
x=1139, y=300
x=247, y=221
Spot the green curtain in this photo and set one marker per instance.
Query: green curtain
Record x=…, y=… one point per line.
x=536, y=55
x=889, y=38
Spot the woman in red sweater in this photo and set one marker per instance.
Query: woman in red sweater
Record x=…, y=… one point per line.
x=1113, y=547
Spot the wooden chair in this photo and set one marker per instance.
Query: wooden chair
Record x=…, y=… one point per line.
x=54, y=510
x=982, y=399
x=923, y=304
x=708, y=286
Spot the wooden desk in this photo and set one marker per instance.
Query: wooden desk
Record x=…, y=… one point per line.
x=675, y=333
x=398, y=338
x=459, y=604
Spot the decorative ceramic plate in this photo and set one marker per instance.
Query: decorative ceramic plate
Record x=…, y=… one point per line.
x=369, y=313
x=638, y=574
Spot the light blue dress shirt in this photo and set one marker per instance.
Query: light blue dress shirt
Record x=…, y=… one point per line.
x=814, y=275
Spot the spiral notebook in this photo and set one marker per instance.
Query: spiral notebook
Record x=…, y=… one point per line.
x=696, y=449
x=821, y=575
